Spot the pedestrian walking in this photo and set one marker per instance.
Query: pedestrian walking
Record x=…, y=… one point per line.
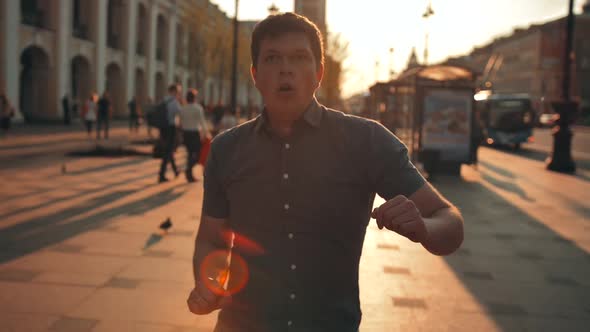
x=148, y=107
x=229, y=120
x=134, y=115
x=104, y=114
x=217, y=113
x=195, y=129
x=89, y=113
x=6, y=113
x=288, y=197
x=168, y=132
x=65, y=104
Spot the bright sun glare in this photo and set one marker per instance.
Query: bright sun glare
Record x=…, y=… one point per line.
x=374, y=27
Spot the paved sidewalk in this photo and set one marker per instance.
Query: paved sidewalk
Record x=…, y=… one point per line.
x=82, y=251
x=28, y=146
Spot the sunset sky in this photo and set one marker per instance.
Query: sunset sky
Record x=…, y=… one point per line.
x=372, y=27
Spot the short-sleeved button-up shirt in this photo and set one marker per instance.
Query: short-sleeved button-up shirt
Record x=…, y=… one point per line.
x=306, y=201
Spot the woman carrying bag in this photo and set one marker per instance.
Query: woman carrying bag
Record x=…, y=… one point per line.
x=195, y=130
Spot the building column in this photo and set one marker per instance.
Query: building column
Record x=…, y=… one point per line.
x=185, y=77
x=100, y=46
x=131, y=48
x=171, y=63
x=62, y=61
x=9, y=46
x=151, y=50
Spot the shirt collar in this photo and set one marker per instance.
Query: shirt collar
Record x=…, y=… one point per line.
x=312, y=115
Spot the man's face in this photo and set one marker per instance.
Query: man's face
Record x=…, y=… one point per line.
x=287, y=74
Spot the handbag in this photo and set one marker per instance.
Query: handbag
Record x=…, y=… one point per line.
x=205, y=147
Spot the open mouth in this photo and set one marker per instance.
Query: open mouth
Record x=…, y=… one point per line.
x=286, y=87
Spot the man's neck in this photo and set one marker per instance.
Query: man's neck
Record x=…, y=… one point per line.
x=282, y=124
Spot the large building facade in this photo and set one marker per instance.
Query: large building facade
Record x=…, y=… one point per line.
x=125, y=47
x=531, y=61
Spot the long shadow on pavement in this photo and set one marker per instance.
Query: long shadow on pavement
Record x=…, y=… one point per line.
x=541, y=156
x=526, y=276
x=19, y=146
x=66, y=198
x=40, y=232
x=181, y=164
x=506, y=185
x=134, y=161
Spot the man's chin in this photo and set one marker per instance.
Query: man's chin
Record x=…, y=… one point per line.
x=283, y=106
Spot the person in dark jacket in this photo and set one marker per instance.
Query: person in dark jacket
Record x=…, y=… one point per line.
x=105, y=111
x=168, y=133
x=65, y=104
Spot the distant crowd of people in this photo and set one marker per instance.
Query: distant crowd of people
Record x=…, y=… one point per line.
x=188, y=121
x=96, y=113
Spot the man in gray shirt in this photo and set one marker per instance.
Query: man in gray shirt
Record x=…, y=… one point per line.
x=168, y=133
x=288, y=197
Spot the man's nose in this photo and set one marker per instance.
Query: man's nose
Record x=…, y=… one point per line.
x=286, y=66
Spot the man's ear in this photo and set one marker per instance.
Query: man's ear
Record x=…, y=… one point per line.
x=320, y=74
x=253, y=73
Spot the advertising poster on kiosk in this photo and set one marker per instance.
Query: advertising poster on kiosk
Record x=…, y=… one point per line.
x=446, y=123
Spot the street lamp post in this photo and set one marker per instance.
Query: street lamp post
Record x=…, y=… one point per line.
x=391, y=72
x=376, y=71
x=429, y=12
x=561, y=157
x=234, y=73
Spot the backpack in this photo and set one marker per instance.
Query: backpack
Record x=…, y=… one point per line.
x=157, y=116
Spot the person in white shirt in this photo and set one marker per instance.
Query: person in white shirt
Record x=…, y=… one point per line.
x=229, y=120
x=195, y=128
x=90, y=112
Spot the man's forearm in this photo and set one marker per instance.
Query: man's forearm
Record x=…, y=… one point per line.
x=208, y=241
x=445, y=231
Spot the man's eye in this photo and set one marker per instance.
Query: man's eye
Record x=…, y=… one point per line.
x=300, y=58
x=272, y=58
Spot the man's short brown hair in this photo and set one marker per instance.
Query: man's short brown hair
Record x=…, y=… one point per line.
x=277, y=25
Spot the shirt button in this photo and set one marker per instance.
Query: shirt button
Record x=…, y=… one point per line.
x=286, y=206
x=289, y=323
x=287, y=146
x=293, y=266
x=292, y=296
x=285, y=176
x=290, y=236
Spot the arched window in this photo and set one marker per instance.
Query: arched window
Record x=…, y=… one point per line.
x=162, y=38
x=142, y=25
x=115, y=14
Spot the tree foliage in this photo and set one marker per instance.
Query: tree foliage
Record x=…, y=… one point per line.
x=336, y=55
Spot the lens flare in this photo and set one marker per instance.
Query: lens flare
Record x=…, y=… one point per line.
x=223, y=273
x=246, y=245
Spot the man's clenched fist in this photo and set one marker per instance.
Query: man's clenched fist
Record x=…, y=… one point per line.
x=401, y=215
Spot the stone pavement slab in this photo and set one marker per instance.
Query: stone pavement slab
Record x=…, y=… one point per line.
x=82, y=251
